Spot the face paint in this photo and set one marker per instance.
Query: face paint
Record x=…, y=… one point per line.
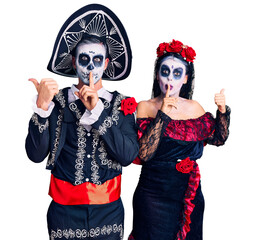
x=172, y=72
x=90, y=58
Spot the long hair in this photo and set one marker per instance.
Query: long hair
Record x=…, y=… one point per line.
x=186, y=89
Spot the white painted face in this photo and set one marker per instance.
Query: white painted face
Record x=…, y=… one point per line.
x=90, y=57
x=172, y=72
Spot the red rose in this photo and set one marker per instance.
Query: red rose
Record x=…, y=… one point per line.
x=175, y=46
x=190, y=54
x=185, y=166
x=161, y=48
x=129, y=105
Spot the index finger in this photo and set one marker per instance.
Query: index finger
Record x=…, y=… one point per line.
x=91, y=82
x=167, y=94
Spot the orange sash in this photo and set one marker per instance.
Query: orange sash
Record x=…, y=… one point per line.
x=66, y=193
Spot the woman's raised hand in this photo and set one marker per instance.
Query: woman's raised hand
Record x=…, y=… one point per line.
x=220, y=101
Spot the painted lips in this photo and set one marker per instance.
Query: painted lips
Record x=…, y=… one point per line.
x=166, y=87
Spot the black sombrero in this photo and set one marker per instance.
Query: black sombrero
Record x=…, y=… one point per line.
x=95, y=20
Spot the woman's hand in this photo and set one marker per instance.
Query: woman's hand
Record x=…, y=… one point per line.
x=46, y=90
x=168, y=102
x=88, y=95
x=220, y=101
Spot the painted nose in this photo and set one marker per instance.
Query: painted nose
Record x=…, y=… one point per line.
x=90, y=67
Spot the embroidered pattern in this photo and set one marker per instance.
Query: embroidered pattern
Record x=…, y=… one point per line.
x=104, y=161
x=95, y=167
x=84, y=234
x=57, y=140
x=41, y=127
x=108, y=122
x=60, y=98
x=81, y=144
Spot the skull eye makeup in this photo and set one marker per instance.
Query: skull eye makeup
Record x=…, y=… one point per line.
x=177, y=73
x=165, y=71
x=84, y=59
x=98, y=60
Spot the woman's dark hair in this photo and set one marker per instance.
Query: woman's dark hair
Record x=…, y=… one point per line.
x=188, y=88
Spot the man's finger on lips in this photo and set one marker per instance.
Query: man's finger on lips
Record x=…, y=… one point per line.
x=91, y=83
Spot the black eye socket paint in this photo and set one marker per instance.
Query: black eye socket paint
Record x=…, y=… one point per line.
x=98, y=60
x=165, y=71
x=84, y=59
x=177, y=73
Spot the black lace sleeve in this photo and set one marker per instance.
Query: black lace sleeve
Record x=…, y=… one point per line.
x=151, y=138
x=221, y=132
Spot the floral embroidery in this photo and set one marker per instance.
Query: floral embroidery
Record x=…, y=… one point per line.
x=41, y=127
x=108, y=122
x=92, y=233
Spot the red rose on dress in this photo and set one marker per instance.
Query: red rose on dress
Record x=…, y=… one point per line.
x=190, y=54
x=175, y=46
x=129, y=105
x=185, y=166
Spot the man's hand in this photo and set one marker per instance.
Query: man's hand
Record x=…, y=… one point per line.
x=46, y=90
x=88, y=95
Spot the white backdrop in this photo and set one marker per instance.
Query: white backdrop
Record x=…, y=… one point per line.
x=222, y=34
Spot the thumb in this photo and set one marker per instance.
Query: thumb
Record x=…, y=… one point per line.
x=35, y=82
x=222, y=91
x=77, y=94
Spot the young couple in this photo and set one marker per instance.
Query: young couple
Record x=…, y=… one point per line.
x=89, y=133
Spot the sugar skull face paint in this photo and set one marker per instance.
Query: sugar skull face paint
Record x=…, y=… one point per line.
x=90, y=58
x=172, y=72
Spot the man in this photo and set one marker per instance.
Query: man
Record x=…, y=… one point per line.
x=88, y=132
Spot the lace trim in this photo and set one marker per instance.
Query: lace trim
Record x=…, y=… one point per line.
x=104, y=161
x=106, y=230
x=108, y=122
x=41, y=127
x=193, y=183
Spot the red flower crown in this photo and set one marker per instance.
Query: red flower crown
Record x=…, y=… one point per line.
x=188, y=53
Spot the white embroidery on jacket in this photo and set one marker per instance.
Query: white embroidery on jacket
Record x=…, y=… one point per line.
x=108, y=122
x=41, y=127
x=105, y=161
x=81, y=144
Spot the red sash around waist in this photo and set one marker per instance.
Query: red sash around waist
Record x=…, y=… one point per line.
x=66, y=193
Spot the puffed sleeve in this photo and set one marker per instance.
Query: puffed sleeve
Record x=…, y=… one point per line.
x=37, y=141
x=150, y=137
x=120, y=139
x=221, y=131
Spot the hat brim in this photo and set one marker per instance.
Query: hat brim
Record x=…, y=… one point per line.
x=95, y=20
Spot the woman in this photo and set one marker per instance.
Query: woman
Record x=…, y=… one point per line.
x=173, y=129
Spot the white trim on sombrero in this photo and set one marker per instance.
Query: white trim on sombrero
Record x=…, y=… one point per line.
x=113, y=62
